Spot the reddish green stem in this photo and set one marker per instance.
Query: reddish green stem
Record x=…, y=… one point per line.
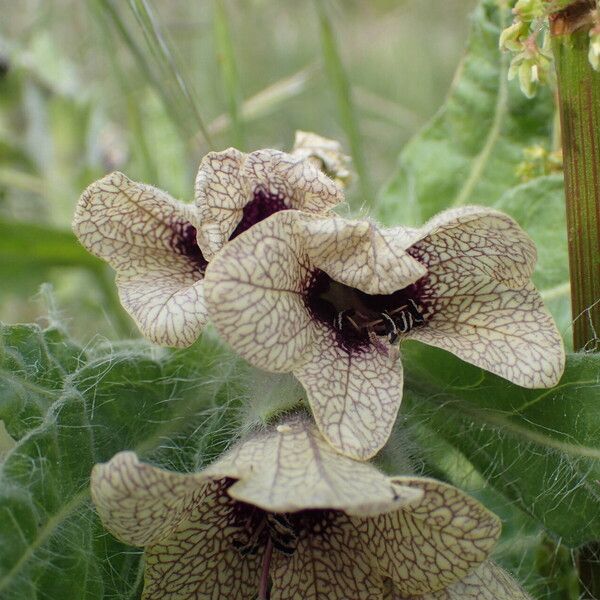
x=579, y=98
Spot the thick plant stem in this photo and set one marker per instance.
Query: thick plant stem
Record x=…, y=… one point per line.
x=579, y=98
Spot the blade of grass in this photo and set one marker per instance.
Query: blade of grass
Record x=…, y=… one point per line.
x=229, y=73
x=138, y=133
x=341, y=86
x=169, y=102
x=165, y=57
x=140, y=59
x=268, y=99
x=26, y=246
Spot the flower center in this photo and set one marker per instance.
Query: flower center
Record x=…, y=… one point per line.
x=184, y=243
x=256, y=528
x=262, y=205
x=354, y=315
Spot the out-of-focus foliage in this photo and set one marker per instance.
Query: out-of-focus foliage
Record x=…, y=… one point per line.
x=470, y=151
x=148, y=88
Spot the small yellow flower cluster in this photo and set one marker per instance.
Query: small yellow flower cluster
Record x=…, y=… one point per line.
x=295, y=511
x=538, y=161
x=531, y=62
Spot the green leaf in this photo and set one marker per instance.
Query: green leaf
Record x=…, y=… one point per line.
x=468, y=154
x=32, y=371
x=539, y=207
x=67, y=409
x=524, y=547
x=540, y=448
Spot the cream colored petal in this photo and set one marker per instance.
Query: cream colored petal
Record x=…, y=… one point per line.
x=149, y=239
x=507, y=332
x=324, y=153
x=221, y=194
x=301, y=184
x=477, y=241
x=486, y=582
x=428, y=545
x=326, y=566
x=359, y=254
x=140, y=503
x=198, y=559
x=292, y=468
x=354, y=395
x=254, y=291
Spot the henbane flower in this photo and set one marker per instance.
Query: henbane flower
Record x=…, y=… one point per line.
x=328, y=299
x=235, y=190
x=150, y=240
x=160, y=247
x=284, y=516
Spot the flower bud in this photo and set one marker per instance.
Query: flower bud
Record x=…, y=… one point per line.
x=511, y=38
x=594, y=51
x=531, y=65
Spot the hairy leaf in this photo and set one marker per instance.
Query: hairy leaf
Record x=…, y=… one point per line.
x=469, y=152
x=67, y=409
x=540, y=448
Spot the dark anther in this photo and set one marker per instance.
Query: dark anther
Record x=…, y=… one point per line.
x=249, y=548
x=353, y=315
x=255, y=527
x=283, y=535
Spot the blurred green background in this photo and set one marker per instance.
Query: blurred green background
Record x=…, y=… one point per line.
x=149, y=87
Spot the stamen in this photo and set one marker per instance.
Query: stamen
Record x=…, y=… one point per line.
x=263, y=589
x=405, y=326
x=415, y=306
x=390, y=327
x=371, y=324
x=353, y=323
x=393, y=312
x=339, y=321
x=355, y=316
